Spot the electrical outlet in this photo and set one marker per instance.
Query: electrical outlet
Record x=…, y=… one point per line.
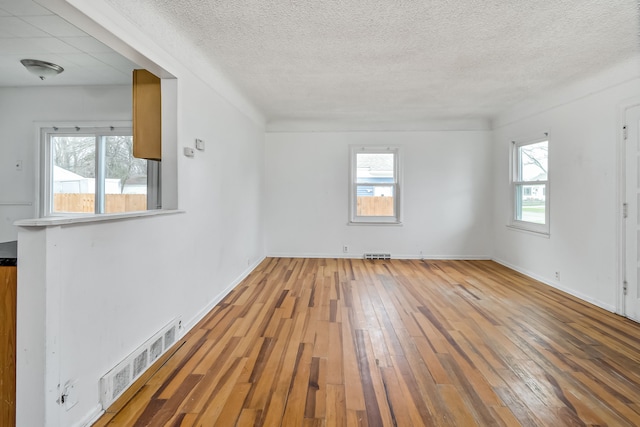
x=18, y=165
x=69, y=395
x=558, y=276
x=345, y=248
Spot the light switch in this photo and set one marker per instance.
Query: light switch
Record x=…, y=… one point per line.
x=189, y=152
x=200, y=144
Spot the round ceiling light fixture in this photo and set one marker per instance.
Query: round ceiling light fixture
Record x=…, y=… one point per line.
x=42, y=69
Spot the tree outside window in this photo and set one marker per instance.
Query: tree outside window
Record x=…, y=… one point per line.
x=530, y=185
x=93, y=171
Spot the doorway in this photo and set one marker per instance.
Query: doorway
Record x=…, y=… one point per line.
x=631, y=214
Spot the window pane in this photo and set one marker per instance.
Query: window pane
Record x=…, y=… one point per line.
x=374, y=200
x=374, y=167
x=532, y=160
x=73, y=173
x=125, y=176
x=530, y=203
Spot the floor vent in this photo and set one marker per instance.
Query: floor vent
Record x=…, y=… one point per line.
x=117, y=380
x=377, y=256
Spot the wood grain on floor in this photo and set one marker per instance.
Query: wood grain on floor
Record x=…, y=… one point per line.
x=343, y=342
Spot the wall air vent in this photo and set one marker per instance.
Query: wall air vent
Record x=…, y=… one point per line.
x=118, y=379
x=377, y=256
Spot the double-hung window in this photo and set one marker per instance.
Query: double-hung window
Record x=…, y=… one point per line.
x=375, y=185
x=92, y=170
x=530, y=185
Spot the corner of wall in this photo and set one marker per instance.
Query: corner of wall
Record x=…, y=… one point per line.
x=587, y=85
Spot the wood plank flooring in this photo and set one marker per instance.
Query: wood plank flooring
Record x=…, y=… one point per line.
x=326, y=342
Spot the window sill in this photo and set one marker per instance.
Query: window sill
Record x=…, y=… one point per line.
x=91, y=218
x=538, y=233
x=396, y=224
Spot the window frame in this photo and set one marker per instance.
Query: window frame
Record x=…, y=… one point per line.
x=354, y=218
x=46, y=191
x=516, y=182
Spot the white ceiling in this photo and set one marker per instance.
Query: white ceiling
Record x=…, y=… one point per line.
x=398, y=59
x=351, y=60
x=29, y=31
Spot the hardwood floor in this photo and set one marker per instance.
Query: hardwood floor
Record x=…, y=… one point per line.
x=325, y=342
x=8, y=295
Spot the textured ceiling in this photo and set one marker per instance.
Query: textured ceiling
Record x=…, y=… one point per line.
x=399, y=60
x=28, y=30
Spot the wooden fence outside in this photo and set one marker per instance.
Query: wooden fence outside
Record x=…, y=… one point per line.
x=84, y=202
x=375, y=206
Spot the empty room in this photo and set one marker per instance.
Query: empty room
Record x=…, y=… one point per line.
x=320, y=213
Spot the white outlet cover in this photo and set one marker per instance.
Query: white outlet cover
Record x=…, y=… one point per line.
x=71, y=395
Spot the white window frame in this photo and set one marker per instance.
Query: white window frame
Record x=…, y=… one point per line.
x=99, y=131
x=516, y=182
x=355, y=219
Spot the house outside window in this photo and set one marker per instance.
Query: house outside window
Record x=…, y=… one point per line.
x=375, y=185
x=92, y=170
x=530, y=185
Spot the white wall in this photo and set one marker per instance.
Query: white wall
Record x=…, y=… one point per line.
x=89, y=294
x=584, y=125
x=446, y=191
x=20, y=109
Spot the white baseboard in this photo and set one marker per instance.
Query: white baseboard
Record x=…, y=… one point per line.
x=90, y=418
x=314, y=255
x=393, y=256
x=98, y=411
x=187, y=326
x=444, y=257
x=556, y=285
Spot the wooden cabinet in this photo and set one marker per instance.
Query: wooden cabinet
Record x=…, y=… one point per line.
x=8, y=292
x=147, y=116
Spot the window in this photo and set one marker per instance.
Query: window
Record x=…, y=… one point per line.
x=375, y=185
x=530, y=185
x=92, y=170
